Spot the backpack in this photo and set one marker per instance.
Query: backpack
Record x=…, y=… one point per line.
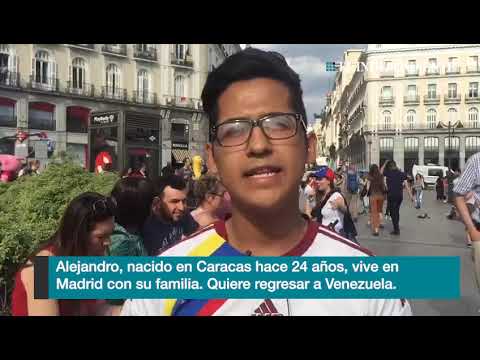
x=352, y=183
x=349, y=230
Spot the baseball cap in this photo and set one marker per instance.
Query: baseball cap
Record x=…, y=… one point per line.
x=324, y=172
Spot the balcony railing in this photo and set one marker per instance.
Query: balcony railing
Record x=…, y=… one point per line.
x=432, y=71
x=473, y=68
x=83, y=89
x=144, y=97
x=181, y=101
x=412, y=72
x=118, y=49
x=10, y=78
x=411, y=100
x=452, y=99
x=472, y=97
x=85, y=46
x=452, y=69
x=187, y=61
x=44, y=84
x=8, y=121
x=387, y=73
x=114, y=93
x=148, y=54
x=431, y=99
x=385, y=127
x=386, y=101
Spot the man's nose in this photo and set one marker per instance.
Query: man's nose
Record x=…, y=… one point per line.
x=258, y=142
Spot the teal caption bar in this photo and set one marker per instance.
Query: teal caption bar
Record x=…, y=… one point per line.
x=253, y=277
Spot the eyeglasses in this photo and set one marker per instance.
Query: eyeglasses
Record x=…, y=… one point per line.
x=105, y=206
x=275, y=126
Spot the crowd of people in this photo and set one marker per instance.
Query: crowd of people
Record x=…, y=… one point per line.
x=245, y=205
x=140, y=217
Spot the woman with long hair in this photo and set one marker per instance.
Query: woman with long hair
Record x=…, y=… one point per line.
x=376, y=189
x=134, y=197
x=210, y=195
x=84, y=230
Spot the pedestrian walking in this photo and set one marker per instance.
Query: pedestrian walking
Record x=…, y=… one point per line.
x=439, y=188
x=376, y=189
x=351, y=193
x=396, y=181
x=418, y=187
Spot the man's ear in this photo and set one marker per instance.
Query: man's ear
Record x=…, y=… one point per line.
x=211, y=164
x=311, y=147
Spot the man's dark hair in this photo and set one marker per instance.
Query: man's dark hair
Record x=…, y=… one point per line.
x=174, y=181
x=250, y=64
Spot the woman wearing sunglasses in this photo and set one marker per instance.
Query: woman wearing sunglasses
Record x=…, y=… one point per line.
x=210, y=194
x=84, y=230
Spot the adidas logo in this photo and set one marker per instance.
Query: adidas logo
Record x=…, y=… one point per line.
x=266, y=309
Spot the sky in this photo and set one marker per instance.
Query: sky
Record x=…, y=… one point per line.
x=309, y=60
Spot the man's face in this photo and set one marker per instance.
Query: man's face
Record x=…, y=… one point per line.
x=171, y=205
x=262, y=173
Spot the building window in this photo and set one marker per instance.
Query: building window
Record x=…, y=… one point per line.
x=431, y=118
x=452, y=64
x=431, y=144
x=412, y=91
x=4, y=56
x=143, y=82
x=412, y=66
x=182, y=51
x=452, y=116
x=432, y=66
x=411, y=115
x=432, y=91
x=473, y=118
x=387, y=120
x=472, y=146
x=41, y=67
x=7, y=112
x=452, y=91
x=179, y=86
x=112, y=79
x=142, y=48
x=77, y=119
x=473, y=90
x=78, y=74
x=411, y=144
x=41, y=116
x=387, y=92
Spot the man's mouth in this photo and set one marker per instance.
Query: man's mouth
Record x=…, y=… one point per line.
x=263, y=172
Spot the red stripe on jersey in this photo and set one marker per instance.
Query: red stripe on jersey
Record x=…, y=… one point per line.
x=211, y=307
x=333, y=235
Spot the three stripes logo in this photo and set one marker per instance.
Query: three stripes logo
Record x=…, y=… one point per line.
x=266, y=308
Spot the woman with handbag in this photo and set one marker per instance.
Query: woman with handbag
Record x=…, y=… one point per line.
x=376, y=189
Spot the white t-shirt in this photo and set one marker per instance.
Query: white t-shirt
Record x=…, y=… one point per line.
x=329, y=215
x=318, y=241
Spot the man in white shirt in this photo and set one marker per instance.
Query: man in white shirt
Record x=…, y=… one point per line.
x=259, y=149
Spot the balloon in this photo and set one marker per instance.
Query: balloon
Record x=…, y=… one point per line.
x=9, y=166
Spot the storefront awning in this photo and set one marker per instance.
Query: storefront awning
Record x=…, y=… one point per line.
x=180, y=154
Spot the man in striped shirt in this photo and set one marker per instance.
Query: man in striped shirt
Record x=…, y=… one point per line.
x=470, y=182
